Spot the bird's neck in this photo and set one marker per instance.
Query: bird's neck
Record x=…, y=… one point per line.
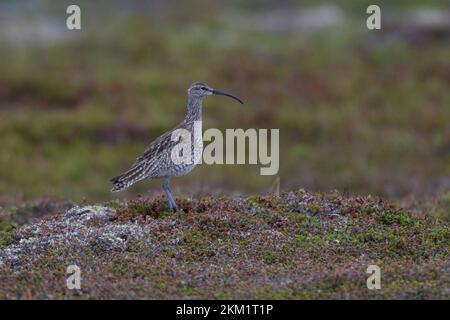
x=194, y=112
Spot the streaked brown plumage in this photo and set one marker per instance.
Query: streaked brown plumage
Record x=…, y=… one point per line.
x=156, y=161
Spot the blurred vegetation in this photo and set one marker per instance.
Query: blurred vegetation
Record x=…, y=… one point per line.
x=358, y=110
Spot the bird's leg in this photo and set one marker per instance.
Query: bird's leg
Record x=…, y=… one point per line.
x=166, y=188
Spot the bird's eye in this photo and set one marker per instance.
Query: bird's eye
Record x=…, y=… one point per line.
x=203, y=88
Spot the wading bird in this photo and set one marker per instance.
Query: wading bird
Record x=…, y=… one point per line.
x=157, y=161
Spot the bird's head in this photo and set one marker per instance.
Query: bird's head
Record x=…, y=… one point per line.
x=199, y=90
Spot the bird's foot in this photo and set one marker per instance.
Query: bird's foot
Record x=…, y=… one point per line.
x=173, y=206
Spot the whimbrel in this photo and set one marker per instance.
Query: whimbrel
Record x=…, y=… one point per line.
x=157, y=162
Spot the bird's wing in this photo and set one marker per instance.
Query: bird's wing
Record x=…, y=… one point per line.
x=163, y=142
x=145, y=164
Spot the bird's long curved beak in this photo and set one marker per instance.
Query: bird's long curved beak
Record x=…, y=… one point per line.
x=226, y=94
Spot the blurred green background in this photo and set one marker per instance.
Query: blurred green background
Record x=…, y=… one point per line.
x=358, y=110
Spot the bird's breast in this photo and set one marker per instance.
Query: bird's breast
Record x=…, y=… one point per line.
x=197, y=142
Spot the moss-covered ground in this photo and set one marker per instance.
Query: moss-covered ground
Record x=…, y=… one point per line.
x=294, y=246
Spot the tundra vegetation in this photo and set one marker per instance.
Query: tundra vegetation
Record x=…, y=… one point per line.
x=294, y=246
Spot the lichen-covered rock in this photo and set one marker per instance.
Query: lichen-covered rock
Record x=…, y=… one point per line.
x=77, y=229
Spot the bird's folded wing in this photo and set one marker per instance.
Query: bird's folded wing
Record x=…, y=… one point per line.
x=161, y=144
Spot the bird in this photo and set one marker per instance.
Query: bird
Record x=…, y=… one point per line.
x=157, y=162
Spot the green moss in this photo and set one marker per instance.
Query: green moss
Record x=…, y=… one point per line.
x=139, y=209
x=439, y=236
x=391, y=217
x=5, y=230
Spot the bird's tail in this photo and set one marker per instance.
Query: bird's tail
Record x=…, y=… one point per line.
x=125, y=180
